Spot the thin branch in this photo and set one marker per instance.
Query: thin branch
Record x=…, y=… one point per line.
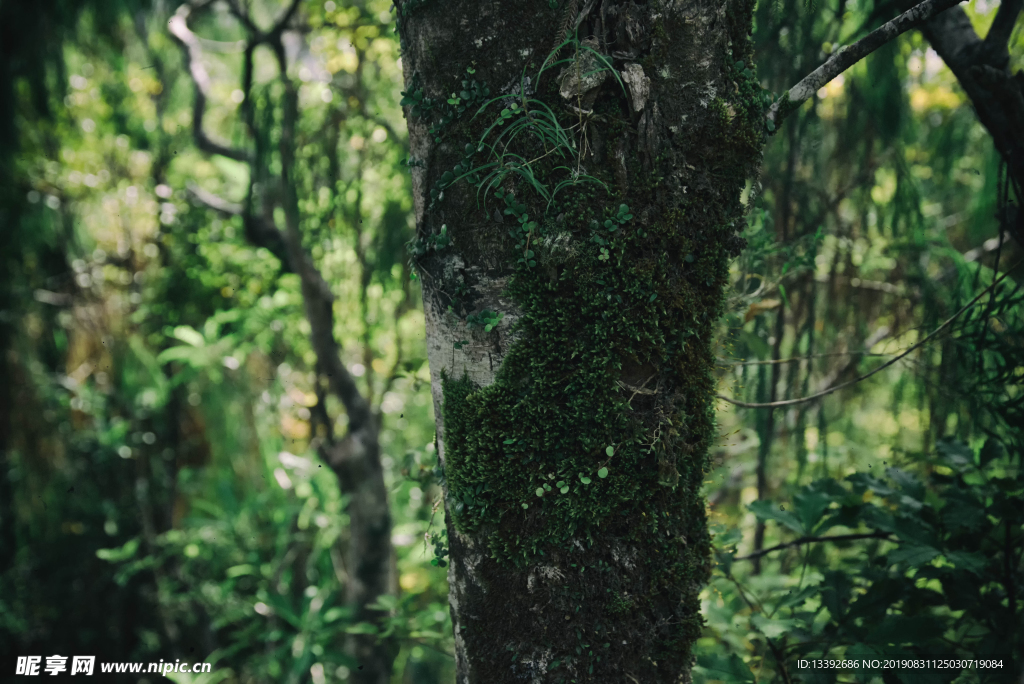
x=53, y=298
x=722, y=363
x=810, y=540
x=260, y=231
x=389, y=381
x=212, y=201
x=281, y=24
x=258, y=36
x=243, y=16
x=316, y=293
x=922, y=341
x=846, y=57
x=201, y=79
x=859, y=283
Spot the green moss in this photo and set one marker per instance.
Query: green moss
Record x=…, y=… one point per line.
x=593, y=438
x=580, y=362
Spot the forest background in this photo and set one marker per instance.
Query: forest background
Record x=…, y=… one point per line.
x=160, y=491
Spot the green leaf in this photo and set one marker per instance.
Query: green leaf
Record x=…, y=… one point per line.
x=119, y=554
x=189, y=335
x=602, y=473
x=585, y=480
x=766, y=510
x=385, y=602
x=797, y=599
x=728, y=669
x=914, y=555
x=539, y=491
x=971, y=562
x=281, y=607
x=811, y=506
x=362, y=628
x=956, y=455
x=907, y=482
x=525, y=505
x=905, y=629
x=564, y=489
x=334, y=614
x=774, y=628
x=609, y=451
x=992, y=450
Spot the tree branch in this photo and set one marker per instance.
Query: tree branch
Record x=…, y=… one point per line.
x=810, y=540
x=846, y=57
x=201, y=80
x=316, y=293
x=259, y=36
x=218, y=204
x=999, y=35
x=725, y=363
x=981, y=67
x=922, y=341
x=260, y=231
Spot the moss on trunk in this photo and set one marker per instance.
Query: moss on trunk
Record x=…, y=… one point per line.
x=603, y=194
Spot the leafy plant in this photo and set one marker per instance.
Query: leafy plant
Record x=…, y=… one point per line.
x=485, y=320
x=537, y=121
x=934, y=568
x=439, y=542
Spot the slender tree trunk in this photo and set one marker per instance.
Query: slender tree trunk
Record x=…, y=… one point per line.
x=570, y=314
x=354, y=457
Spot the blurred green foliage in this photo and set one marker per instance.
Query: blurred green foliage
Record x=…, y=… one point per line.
x=160, y=496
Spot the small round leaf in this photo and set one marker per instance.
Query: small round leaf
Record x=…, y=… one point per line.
x=564, y=489
x=540, y=491
x=602, y=473
x=609, y=450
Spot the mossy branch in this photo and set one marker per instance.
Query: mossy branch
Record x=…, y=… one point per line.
x=845, y=58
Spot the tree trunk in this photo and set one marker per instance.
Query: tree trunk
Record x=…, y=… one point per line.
x=573, y=245
x=355, y=457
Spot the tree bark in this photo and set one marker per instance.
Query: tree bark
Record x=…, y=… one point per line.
x=569, y=316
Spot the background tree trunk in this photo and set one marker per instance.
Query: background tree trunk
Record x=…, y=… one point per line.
x=569, y=333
